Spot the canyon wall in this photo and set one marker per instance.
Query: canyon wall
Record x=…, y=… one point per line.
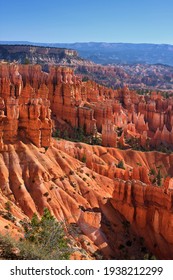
x=145, y=205
x=124, y=118
x=93, y=196
x=94, y=187
x=24, y=109
x=149, y=211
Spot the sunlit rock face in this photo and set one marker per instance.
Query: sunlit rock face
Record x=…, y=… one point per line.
x=96, y=188
x=123, y=117
x=25, y=108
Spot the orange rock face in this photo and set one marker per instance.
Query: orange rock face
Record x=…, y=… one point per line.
x=144, y=121
x=133, y=195
x=25, y=110
x=149, y=211
x=95, y=195
x=97, y=189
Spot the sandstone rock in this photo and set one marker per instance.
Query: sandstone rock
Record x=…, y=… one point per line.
x=80, y=183
x=25, y=111
x=109, y=135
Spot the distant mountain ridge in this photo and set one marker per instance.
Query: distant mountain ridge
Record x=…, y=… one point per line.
x=115, y=53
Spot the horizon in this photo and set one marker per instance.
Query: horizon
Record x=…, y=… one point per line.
x=8, y=42
x=90, y=21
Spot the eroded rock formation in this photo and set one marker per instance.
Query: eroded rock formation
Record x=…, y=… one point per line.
x=95, y=196
x=129, y=119
x=95, y=188
x=25, y=110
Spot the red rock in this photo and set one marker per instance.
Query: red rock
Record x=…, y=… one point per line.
x=80, y=183
x=109, y=135
x=26, y=113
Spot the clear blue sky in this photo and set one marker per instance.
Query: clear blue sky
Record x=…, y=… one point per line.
x=133, y=21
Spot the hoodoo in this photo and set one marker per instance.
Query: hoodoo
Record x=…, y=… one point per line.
x=116, y=193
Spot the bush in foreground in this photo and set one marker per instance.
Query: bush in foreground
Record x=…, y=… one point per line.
x=44, y=240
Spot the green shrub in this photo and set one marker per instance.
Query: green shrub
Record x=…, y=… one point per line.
x=152, y=171
x=44, y=240
x=7, y=245
x=121, y=164
x=8, y=206
x=27, y=61
x=159, y=178
x=83, y=159
x=48, y=235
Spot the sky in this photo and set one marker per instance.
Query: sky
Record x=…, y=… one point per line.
x=69, y=21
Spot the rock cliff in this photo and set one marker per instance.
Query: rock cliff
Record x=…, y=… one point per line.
x=25, y=110
x=149, y=211
x=45, y=56
x=130, y=120
x=96, y=197
x=114, y=197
